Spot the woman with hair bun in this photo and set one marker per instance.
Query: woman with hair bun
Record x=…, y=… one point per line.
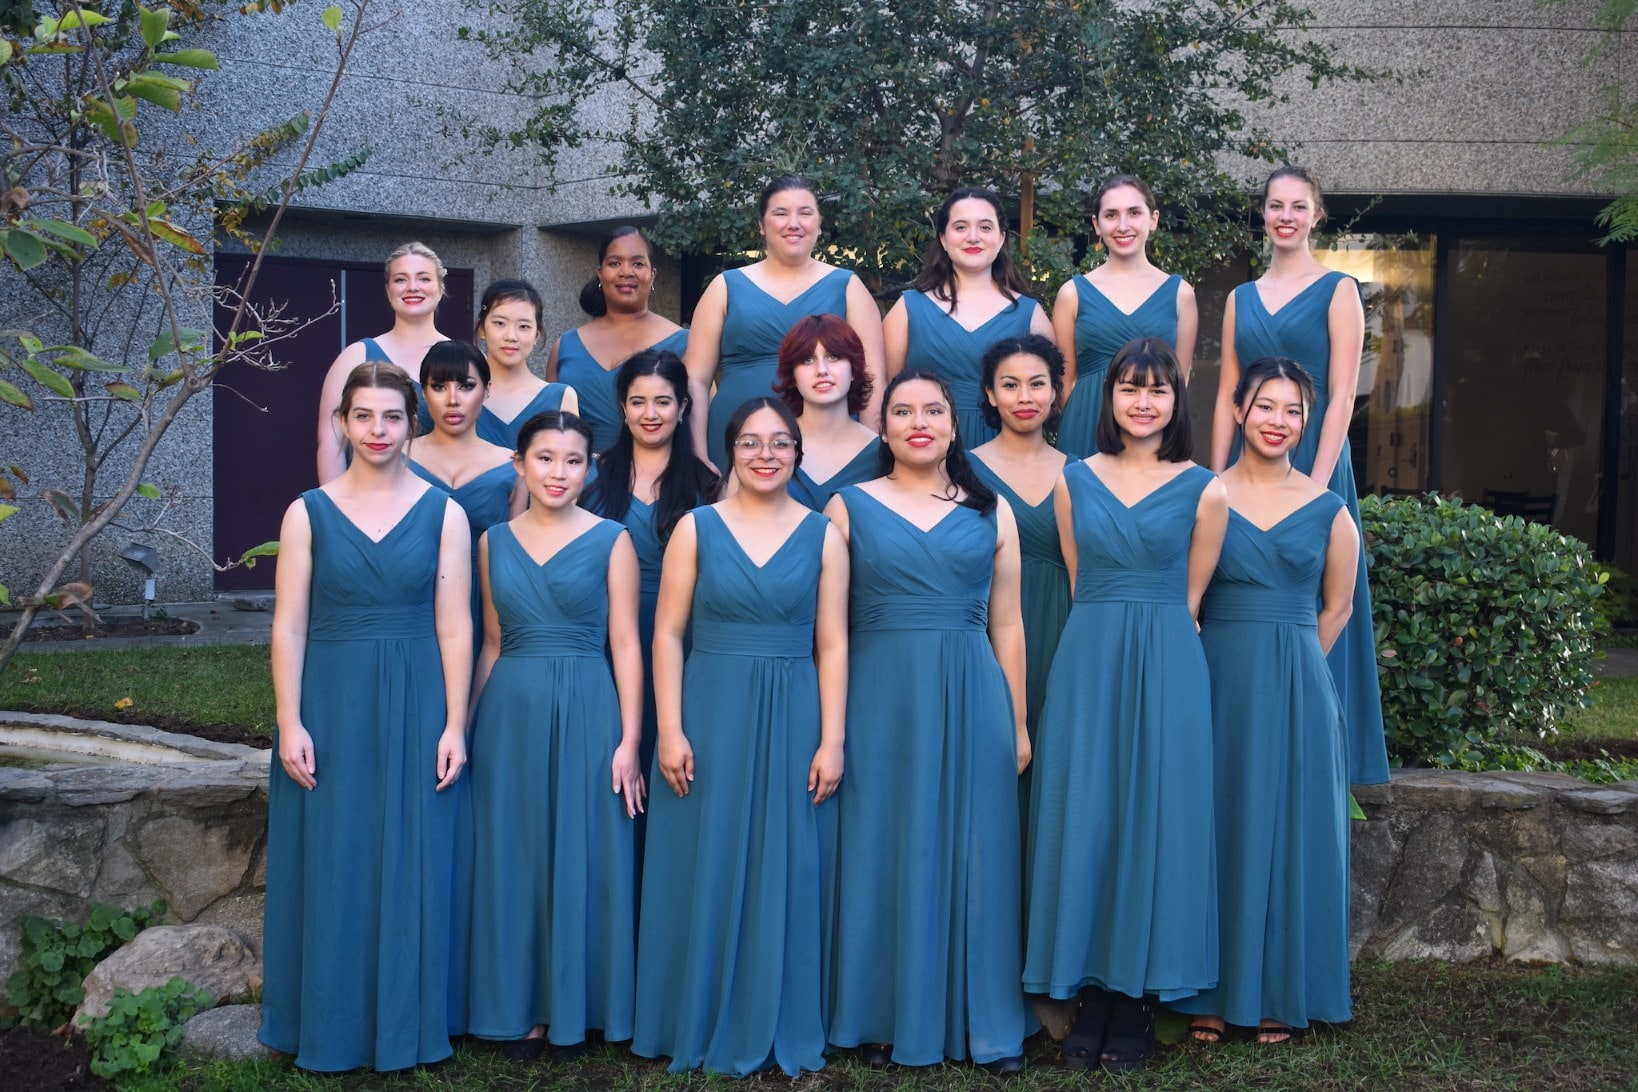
x=372, y=659
x=1123, y=299
x=509, y=324
x=745, y=313
x=823, y=380
x=617, y=299
x=1302, y=310
x=415, y=288
x=968, y=295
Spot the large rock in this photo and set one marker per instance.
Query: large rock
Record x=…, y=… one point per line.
x=208, y=956
x=228, y=1032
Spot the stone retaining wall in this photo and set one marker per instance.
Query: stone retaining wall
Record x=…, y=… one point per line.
x=1534, y=867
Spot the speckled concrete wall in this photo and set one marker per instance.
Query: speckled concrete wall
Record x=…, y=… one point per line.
x=1485, y=83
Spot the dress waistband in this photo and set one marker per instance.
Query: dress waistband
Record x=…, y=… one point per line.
x=1131, y=586
x=1241, y=603
x=724, y=638
x=539, y=640
x=371, y=623
x=886, y=612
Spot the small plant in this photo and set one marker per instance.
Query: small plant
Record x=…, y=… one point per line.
x=1484, y=624
x=141, y=1027
x=57, y=955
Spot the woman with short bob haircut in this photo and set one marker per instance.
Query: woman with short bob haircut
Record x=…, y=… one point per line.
x=822, y=378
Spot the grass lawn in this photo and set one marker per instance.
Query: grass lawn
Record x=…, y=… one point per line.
x=168, y=687
x=1614, y=714
x=1417, y=1026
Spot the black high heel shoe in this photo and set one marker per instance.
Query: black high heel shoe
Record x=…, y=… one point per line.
x=1131, y=1039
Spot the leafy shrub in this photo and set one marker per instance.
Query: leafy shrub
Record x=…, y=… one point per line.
x=141, y=1027
x=1483, y=624
x=57, y=955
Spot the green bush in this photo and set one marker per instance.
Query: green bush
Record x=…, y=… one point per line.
x=57, y=955
x=141, y=1027
x=1484, y=625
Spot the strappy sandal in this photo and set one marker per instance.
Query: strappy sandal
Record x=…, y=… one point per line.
x=1203, y=1032
x=1286, y=1034
x=1085, y=1039
x=1131, y=1039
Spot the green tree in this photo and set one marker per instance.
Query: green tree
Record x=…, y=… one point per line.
x=1606, y=148
x=107, y=203
x=889, y=105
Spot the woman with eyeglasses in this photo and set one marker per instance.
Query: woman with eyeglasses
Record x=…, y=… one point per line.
x=731, y=963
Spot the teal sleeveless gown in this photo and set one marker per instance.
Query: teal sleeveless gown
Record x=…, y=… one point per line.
x=1045, y=599
x=1300, y=330
x=1122, y=879
x=505, y=433
x=553, y=923
x=1282, y=778
x=748, y=354
x=939, y=344
x=594, y=384
x=485, y=500
x=927, y=934
x=358, y=934
x=816, y=494
x=730, y=972
x=1101, y=329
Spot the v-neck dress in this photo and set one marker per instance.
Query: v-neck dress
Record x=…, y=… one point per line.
x=1043, y=598
x=1101, y=329
x=1281, y=778
x=505, y=433
x=927, y=931
x=938, y=343
x=594, y=384
x=730, y=963
x=358, y=935
x=1122, y=874
x=1300, y=330
x=553, y=937
x=816, y=493
x=485, y=499
x=748, y=354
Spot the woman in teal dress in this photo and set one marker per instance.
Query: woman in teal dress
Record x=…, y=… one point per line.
x=927, y=939
x=744, y=313
x=509, y=323
x=1278, y=746
x=1301, y=310
x=415, y=288
x=732, y=962
x=1123, y=890
x=617, y=299
x=968, y=296
x=372, y=658
x=823, y=380
x=1124, y=298
x=476, y=473
x=553, y=936
x=648, y=481
x=1022, y=379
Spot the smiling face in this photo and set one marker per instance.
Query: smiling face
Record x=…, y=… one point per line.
x=1125, y=221
x=824, y=378
x=652, y=409
x=973, y=235
x=1272, y=420
x=1022, y=393
x=413, y=288
x=917, y=423
x=509, y=333
x=454, y=405
x=764, y=453
x=626, y=274
x=1290, y=212
x=791, y=223
x=377, y=425
x=1142, y=405
x=553, y=468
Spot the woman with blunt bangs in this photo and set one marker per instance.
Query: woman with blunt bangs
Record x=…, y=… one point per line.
x=617, y=299
x=823, y=380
